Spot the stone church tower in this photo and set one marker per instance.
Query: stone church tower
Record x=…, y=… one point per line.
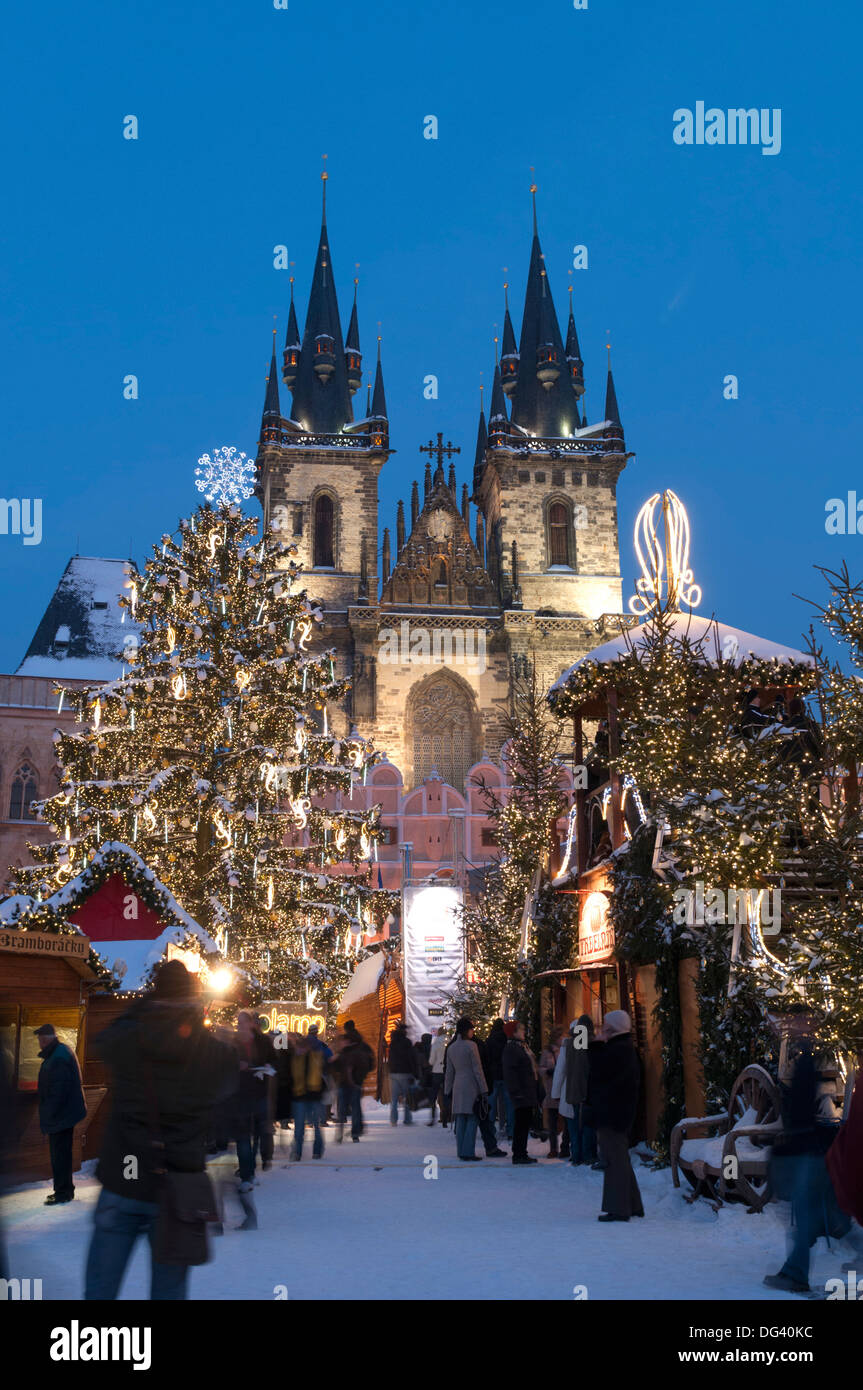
x=435, y=641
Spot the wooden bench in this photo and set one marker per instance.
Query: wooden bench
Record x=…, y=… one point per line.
x=731, y=1161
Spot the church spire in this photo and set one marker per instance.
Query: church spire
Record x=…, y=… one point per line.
x=543, y=400
x=573, y=353
x=612, y=413
x=322, y=396
x=481, y=446
x=353, y=356
x=272, y=416
x=498, y=423
x=509, y=351
x=379, y=401
x=400, y=528
x=291, y=354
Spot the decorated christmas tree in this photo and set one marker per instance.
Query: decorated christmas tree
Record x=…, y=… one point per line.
x=824, y=960
x=214, y=757
x=519, y=927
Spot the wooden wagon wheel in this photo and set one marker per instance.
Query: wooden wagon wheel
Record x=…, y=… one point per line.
x=755, y=1098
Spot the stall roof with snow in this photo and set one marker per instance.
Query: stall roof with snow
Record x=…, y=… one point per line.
x=117, y=901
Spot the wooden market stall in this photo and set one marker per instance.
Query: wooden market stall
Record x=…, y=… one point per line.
x=77, y=959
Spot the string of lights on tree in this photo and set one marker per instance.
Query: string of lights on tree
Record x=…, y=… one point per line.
x=213, y=754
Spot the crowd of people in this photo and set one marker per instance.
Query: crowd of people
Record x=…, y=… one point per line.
x=183, y=1091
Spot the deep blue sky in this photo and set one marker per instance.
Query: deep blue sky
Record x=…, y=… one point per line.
x=155, y=257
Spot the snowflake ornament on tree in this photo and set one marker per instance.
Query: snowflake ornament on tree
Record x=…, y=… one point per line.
x=227, y=478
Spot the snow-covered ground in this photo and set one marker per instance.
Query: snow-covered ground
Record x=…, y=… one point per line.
x=364, y=1222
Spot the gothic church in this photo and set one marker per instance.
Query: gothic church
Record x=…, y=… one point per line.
x=466, y=600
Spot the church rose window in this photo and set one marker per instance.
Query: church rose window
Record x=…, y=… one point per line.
x=324, y=548
x=24, y=790
x=558, y=534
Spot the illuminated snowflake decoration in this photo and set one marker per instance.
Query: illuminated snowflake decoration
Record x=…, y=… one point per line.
x=227, y=478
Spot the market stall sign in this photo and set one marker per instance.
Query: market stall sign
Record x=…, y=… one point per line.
x=43, y=943
x=595, y=931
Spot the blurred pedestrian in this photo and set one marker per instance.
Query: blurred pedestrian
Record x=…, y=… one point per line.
x=250, y=1101
x=356, y=1060
x=168, y=1071
x=437, y=1052
x=403, y=1069
x=551, y=1118
x=309, y=1060
x=800, y=1175
x=569, y=1085
x=495, y=1043
x=521, y=1078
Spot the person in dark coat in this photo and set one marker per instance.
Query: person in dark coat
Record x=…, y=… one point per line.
x=61, y=1108
x=496, y=1042
x=486, y=1119
x=250, y=1102
x=520, y=1076
x=403, y=1070
x=168, y=1070
x=612, y=1099
x=800, y=1175
x=355, y=1060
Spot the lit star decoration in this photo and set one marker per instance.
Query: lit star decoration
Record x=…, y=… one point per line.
x=227, y=478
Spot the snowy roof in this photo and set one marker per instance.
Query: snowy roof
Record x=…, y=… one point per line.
x=720, y=640
x=130, y=960
x=81, y=632
x=363, y=981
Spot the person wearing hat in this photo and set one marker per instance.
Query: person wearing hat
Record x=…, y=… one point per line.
x=464, y=1080
x=61, y=1108
x=612, y=1099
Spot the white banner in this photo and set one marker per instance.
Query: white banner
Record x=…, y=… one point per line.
x=432, y=954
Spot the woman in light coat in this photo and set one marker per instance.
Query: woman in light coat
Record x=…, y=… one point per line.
x=569, y=1088
x=464, y=1083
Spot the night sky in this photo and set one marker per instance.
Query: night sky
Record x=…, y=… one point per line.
x=155, y=257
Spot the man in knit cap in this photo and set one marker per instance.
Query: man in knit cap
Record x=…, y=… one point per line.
x=612, y=1100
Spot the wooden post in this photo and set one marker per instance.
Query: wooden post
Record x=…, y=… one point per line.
x=580, y=799
x=613, y=753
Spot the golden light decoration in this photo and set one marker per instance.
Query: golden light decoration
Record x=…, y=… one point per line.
x=300, y=811
x=222, y=830
x=243, y=679
x=654, y=559
x=97, y=713
x=171, y=638
x=305, y=633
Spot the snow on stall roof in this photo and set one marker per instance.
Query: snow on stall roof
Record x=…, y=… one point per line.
x=136, y=956
x=363, y=981
x=81, y=631
x=719, y=640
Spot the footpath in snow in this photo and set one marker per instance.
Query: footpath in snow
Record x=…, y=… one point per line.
x=365, y=1222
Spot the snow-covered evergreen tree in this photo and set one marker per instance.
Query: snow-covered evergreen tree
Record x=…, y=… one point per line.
x=213, y=756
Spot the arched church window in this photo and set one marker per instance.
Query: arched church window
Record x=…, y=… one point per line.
x=324, y=556
x=558, y=534
x=443, y=730
x=24, y=790
x=440, y=580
